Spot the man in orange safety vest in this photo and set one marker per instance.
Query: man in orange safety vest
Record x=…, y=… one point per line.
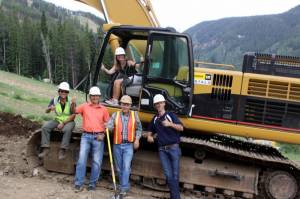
x=127, y=129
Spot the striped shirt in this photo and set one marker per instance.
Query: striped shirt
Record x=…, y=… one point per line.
x=125, y=118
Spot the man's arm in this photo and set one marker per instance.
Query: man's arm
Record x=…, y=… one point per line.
x=79, y=109
x=73, y=105
x=150, y=132
x=70, y=119
x=175, y=123
x=110, y=123
x=51, y=106
x=177, y=127
x=139, y=127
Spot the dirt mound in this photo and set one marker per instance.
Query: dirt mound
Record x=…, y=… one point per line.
x=16, y=125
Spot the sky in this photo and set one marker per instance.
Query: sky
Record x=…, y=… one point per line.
x=183, y=14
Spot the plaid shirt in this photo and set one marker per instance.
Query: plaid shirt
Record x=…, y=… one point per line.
x=125, y=118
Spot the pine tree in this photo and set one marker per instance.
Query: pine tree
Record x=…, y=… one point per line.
x=46, y=45
x=3, y=40
x=13, y=54
x=37, y=58
x=25, y=47
x=44, y=27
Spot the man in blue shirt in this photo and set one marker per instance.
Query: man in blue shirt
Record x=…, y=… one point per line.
x=167, y=126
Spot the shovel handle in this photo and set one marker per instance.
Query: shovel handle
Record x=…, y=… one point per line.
x=111, y=159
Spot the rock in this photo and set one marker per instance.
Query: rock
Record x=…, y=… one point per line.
x=1, y=173
x=46, y=80
x=7, y=169
x=35, y=172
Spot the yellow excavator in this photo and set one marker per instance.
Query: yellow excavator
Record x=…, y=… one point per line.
x=216, y=106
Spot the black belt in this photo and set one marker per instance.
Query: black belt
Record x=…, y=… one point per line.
x=125, y=142
x=93, y=133
x=166, y=147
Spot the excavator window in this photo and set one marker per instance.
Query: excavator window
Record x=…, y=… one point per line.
x=136, y=51
x=167, y=71
x=169, y=59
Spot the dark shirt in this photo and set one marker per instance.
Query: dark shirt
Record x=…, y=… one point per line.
x=165, y=135
x=126, y=72
x=62, y=105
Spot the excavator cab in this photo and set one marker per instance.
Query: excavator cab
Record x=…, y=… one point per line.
x=167, y=68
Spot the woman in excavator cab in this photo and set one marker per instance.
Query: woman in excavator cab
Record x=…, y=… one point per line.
x=122, y=73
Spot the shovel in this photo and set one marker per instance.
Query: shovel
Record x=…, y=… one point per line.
x=116, y=194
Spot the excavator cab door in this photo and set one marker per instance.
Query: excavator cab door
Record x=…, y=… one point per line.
x=168, y=71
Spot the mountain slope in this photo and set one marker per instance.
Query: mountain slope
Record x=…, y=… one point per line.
x=226, y=40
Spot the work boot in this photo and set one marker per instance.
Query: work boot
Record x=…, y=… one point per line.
x=123, y=194
x=113, y=102
x=91, y=188
x=44, y=152
x=78, y=188
x=62, y=154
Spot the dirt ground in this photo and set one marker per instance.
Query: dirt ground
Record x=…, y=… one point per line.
x=17, y=180
x=15, y=125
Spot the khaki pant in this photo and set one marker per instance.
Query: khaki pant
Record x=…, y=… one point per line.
x=48, y=128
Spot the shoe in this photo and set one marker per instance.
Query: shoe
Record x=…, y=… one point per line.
x=123, y=194
x=62, y=154
x=91, y=188
x=113, y=102
x=44, y=152
x=78, y=188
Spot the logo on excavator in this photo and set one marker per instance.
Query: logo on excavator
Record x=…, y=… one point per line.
x=202, y=79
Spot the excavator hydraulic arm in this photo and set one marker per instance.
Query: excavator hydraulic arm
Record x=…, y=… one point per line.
x=126, y=12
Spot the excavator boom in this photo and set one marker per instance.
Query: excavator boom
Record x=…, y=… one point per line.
x=126, y=12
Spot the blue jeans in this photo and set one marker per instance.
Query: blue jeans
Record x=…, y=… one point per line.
x=169, y=159
x=123, y=154
x=89, y=143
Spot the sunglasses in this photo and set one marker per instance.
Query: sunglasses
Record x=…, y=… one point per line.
x=63, y=91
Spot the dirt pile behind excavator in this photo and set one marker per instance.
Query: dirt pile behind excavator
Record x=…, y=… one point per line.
x=16, y=125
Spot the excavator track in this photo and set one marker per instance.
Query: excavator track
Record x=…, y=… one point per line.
x=276, y=171
x=243, y=150
x=211, y=167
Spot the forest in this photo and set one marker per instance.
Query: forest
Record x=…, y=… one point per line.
x=45, y=42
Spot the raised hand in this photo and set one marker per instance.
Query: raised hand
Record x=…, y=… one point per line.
x=166, y=123
x=73, y=100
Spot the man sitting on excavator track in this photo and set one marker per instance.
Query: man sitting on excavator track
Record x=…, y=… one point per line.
x=64, y=121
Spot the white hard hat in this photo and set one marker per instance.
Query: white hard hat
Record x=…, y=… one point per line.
x=126, y=99
x=119, y=51
x=94, y=91
x=64, y=86
x=158, y=98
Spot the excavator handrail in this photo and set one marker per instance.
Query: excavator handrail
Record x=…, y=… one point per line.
x=215, y=64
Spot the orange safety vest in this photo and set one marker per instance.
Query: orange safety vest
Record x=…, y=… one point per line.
x=131, y=126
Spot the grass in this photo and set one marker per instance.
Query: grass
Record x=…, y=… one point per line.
x=29, y=97
x=290, y=151
x=292, y=156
